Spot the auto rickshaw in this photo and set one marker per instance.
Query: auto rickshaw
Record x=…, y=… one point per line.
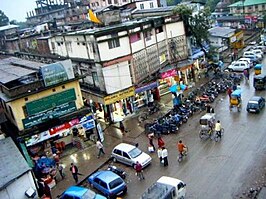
x=235, y=100
x=259, y=82
x=257, y=69
x=207, y=123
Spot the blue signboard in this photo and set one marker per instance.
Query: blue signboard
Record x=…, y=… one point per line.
x=147, y=87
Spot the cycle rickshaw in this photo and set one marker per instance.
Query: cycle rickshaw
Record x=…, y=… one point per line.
x=207, y=123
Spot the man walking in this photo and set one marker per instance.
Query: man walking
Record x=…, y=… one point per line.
x=139, y=171
x=60, y=169
x=99, y=146
x=74, y=171
x=165, y=156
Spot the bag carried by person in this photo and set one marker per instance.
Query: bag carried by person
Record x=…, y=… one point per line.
x=150, y=149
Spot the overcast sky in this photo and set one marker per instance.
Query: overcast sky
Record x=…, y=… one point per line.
x=17, y=9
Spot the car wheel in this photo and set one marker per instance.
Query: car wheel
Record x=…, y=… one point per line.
x=114, y=160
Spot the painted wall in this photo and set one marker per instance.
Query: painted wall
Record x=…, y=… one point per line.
x=17, y=105
x=175, y=29
x=117, y=77
x=76, y=46
x=146, y=4
x=17, y=189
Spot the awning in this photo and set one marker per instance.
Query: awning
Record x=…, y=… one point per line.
x=197, y=55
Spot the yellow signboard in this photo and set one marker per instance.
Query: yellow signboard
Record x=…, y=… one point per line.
x=110, y=99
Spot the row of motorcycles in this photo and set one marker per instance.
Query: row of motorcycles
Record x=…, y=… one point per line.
x=196, y=101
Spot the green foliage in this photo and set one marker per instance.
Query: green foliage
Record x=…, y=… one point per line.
x=3, y=19
x=212, y=4
x=195, y=25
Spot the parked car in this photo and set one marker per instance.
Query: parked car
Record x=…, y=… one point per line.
x=75, y=192
x=252, y=57
x=108, y=183
x=255, y=104
x=262, y=48
x=246, y=60
x=252, y=53
x=258, y=52
x=238, y=66
x=129, y=154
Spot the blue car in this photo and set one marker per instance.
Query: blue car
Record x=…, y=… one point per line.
x=108, y=183
x=75, y=192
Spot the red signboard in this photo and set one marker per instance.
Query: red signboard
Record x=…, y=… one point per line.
x=169, y=73
x=64, y=126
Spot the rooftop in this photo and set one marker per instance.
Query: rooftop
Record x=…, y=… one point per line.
x=13, y=165
x=2, y=28
x=221, y=31
x=247, y=3
x=13, y=68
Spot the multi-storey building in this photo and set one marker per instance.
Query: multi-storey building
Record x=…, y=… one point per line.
x=126, y=60
x=41, y=102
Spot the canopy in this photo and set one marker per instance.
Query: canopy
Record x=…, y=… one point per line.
x=237, y=92
x=258, y=66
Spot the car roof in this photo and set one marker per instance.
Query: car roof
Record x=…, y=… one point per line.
x=107, y=176
x=208, y=116
x=125, y=147
x=255, y=98
x=76, y=191
x=240, y=61
x=169, y=180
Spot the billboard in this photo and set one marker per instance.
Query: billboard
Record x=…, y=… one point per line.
x=57, y=72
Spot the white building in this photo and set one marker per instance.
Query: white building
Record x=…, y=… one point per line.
x=123, y=56
x=220, y=37
x=16, y=176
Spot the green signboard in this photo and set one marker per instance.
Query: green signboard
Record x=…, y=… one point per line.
x=56, y=112
x=50, y=102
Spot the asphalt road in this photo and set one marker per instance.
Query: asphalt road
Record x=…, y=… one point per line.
x=219, y=170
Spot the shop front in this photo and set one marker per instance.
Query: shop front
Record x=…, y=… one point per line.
x=145, y=95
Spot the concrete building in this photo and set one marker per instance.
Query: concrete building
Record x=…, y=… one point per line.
x=42, y=102
x=248, y=8
x=7, y=32
x=17, y=181
x=124, y=57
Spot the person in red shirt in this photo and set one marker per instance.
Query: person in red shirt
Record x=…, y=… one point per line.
x=181, y=147
x=139, y=171
x=160, y=142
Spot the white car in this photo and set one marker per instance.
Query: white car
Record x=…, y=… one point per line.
x=258, y=52
x=251, y=53
x=130, y=155
x=246, y=60
x=262, y=48
x=238, y=66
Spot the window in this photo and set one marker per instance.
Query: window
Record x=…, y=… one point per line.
x=126, y=155
x=63, y=87
x=115, y=183
x=69, y=46
x=135, y=37
x=53, y=90
x=115, y=2
x=141, y=6
x=24, y=109
x=151, y=5
x=26, y=99
x=58, y=43
x=159, y=29
x=109, y=1
x=147, y=35
x=52, y=44
x=114, y=43
x=103, y=184
x=97, y=4
x=118, y=152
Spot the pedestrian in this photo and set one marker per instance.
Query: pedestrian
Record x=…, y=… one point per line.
x=122, y=127
x=160, y=142
x=139, y=171
x=246, y=74
x=99, y=146
x=229, y=92
x=159, y=153
x=60, y=168
x=150, y=136
x=74, y=170
x=165, y=156
x=209, y=108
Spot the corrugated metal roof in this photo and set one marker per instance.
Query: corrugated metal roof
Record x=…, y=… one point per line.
x=13, y=68
x=8, y=27
x=221, y=31
x=13, y=165
x=152, y=10
x=247, y=3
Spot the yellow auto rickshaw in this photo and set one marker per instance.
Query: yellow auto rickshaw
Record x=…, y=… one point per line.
x=257, y=69
x=235, y=100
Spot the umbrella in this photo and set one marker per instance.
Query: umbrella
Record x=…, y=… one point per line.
x=173, y=88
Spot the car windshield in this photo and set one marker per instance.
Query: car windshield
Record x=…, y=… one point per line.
x=134, y=152
x=89, y=195
x=115, y=183
x=253, y=104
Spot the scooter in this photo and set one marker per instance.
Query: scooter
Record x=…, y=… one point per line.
x=117, y=171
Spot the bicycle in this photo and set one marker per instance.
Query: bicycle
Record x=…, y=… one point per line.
x=204, y=133
x=181, y=155
x=218, y=136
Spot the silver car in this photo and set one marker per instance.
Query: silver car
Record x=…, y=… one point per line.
x=129, y=154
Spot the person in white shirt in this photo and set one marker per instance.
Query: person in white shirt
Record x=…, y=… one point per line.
x=99, y=146
x=165, y=156
x=159, y=153
x=218, y=128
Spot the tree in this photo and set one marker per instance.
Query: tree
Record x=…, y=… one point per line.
x=195, y=25
x=3, y=19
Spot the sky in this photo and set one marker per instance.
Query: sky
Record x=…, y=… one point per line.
x=17, y=9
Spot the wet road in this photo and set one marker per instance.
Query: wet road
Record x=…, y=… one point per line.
x=212, y=170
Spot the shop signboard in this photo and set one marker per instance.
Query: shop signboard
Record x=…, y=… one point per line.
x=63, y=127
x=50, y=114
x=147, y=87
x=50, y=102
x=35, y=139
x=169, y=73
x=110, y=99
x=57, y=72
x=87, y=122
